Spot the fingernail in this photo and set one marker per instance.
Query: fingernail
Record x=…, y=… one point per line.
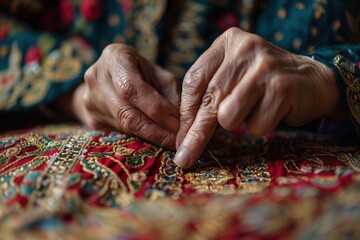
x=172, y=124
x=182, y=158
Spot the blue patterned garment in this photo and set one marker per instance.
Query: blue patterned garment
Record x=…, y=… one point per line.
x=46, y=50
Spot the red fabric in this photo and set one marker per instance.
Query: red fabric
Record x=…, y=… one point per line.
x=70, y=173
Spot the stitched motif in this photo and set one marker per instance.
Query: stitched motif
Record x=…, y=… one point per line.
x=68, y=172
x=145, y=13
x=18, y=84
x=347, y=71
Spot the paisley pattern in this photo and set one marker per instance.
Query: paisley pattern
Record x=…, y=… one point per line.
x=65, y=173
x=66, y=181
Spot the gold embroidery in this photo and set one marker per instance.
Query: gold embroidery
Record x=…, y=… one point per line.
x=211, y=180
x=12, y=151
x=46, y=43
x=347, y=72
x=55, y=177
x=107, y=182
x=32, y=84
x=4, y=51
x=209, y=176
x=149, y=13
x=36, y=92
x=122, y=151
x=253, y=175
x=168, y=178
x=207, y=214
x=10, y=77
x=310, y=159
x=319, y=9
x=186, y=37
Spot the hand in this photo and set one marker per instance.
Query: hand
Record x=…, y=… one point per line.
x=124, y=91
x=243, y=78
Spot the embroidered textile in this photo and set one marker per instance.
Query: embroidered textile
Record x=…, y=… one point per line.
x=57, y=181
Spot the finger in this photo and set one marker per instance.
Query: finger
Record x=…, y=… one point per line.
x=235, y=108
x=125, y=117
x=132, y=88
x=120, y=114
x=228, y=75
x=196, y=139
x=86, y=111
x=163, y=81
x=137, y=124
x=275, y=105
x=130, y=120
x=98, y=89
x=194, y=86
x=168, y=85
x=267, y=114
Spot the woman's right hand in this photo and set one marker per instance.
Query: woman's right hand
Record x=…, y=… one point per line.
x=123, y=90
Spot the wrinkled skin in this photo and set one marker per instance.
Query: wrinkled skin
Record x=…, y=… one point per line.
x=123, y=90
x=240, y=79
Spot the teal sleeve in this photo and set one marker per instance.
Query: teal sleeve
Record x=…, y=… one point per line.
x=36, y=67
x=344, y=60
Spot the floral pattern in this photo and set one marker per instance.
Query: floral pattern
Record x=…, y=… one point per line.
x=59, y=181
x=68, y=174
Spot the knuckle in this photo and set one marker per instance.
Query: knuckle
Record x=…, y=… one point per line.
x=126, y=48
x=280, y=86
x=126, y=88
x=266, y=62
x=220, y=40
x=186, y=118
x=231, y=32
x=115, y=47
x=209, y=102
x=119, y=51
x=128, y=120
x=191, y=81
x=252, y=42
x=110, y=49
x=228, y=36
x=90, y=76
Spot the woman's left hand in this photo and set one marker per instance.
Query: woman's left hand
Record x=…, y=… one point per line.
x=243, y=78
